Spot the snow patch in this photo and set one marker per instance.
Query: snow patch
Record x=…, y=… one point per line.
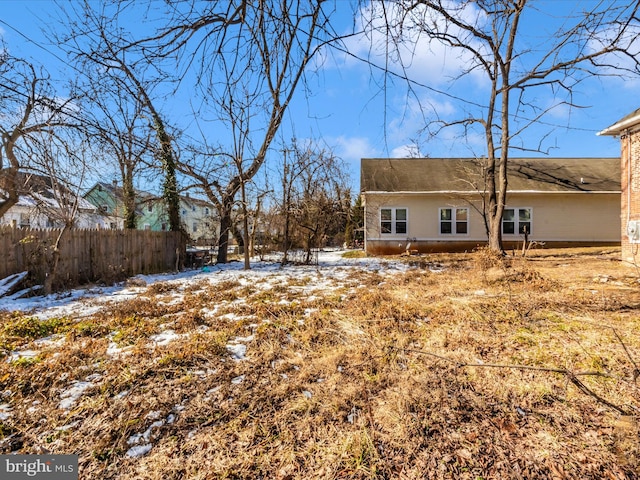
x=5, y=411
x=114, y=350
x=71, y=395
x=237, y=349
x=139, y=450
x=164, y=338
x=18, y=355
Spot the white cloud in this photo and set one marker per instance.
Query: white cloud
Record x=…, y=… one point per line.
x=406, y=151
x=352, y=148
x=421, y=59
x=416, y=115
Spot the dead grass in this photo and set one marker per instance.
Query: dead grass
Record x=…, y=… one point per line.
x=465, y=366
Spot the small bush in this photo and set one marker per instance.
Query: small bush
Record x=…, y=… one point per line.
x=485, y=258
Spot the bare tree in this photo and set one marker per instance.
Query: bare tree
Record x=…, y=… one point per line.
x=355, y=224
x=490, y=36
x=30, y=108
x=318, y=200
x=63, y=165
x=249, y=59
x=100, y=46
x=122, y=134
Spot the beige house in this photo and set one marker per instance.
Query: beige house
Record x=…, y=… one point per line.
x=628, y=129
x=436, y=204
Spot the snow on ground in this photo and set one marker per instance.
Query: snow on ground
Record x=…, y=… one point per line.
x=84, y=302
x=331, y=271
x=73, y=393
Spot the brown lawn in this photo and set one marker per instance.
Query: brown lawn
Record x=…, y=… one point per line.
x=465, y=366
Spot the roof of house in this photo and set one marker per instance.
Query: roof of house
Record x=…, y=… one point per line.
x=189, y=200
x=626, y=122
x=465, y=175
x=118, y=192
x=145, y=197
x=40, y=191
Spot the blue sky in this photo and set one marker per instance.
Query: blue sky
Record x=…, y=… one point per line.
x=350, y=111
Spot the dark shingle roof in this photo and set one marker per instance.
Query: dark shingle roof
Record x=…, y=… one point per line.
x=465, y=174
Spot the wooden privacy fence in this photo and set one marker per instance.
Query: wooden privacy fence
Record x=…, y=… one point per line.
x=88, y=256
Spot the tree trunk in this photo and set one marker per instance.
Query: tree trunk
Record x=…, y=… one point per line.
x=129, y=197
x=9, y=183
x=495, y=232
x=237, y=236
x=245, y=224
x=223, y=239
x=170, y=184
x=50, y=278
x=254, y=229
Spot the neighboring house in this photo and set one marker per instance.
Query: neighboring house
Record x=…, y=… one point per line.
x=107, y=198
x=436, y=204
x=197, y=216
x=45, y=204
x=199, y=219
x=628, y=129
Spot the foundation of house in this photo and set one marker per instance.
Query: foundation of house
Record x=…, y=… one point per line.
x=397, y=248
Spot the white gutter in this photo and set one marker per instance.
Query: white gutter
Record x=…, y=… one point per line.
x=617, y=128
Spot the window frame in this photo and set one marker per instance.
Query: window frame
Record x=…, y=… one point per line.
x=393, y=221
x=517, y=221
x=453, y=221
x=25, y=220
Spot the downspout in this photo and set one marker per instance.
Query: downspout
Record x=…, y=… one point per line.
x=364, y=220
x=627, y=135
x=628, y=139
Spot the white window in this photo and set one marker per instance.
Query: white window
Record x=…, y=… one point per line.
x=393, y=220
x=516, y=221
x=454, y=221
x=147, y=226
x=195, y=227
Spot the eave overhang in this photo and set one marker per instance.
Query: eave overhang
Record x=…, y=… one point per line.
x=623, y=125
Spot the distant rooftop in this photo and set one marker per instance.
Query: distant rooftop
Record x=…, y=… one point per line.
x=466, y=174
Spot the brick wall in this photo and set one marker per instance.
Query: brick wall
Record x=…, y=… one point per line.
x=630, y=198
